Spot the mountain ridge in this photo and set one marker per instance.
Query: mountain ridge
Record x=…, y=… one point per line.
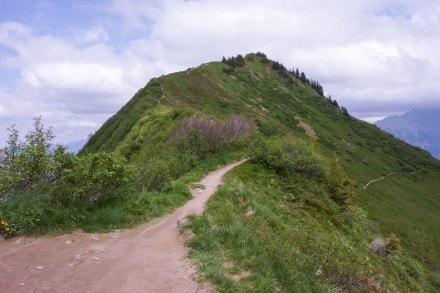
x=281, y=102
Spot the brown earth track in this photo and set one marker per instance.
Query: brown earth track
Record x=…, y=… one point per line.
x=148, y=258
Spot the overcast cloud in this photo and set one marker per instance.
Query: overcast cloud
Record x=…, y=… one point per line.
x=76, y=63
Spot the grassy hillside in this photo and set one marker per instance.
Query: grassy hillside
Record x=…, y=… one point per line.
x=405, y=202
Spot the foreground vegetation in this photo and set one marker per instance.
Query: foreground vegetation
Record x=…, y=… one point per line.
x=47, y=190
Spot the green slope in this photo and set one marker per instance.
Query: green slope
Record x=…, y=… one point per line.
x=406, y=203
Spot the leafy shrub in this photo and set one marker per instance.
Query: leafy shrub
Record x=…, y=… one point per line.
x=289, y=154
x=413, y=268
x=158, y=166
x=202, y=135
x=33, y=164
x=340, y=186
x=94, y=176
x=26, y=164
x=156, y=173
x=355, y=217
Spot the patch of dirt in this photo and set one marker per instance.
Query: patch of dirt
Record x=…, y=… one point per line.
x=250, y=212
x=148, y=258
x=307, y=128
x=253, y=75
x=236, y=276
x=243, y=274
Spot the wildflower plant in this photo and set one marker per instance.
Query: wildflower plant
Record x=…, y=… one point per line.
x=5, y=229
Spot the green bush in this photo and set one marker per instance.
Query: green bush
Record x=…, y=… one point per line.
x=413, y=268
x=156, y=173
x=355, y=217
x=288, y=155
x=201, y=135
x=158, y=166
x=94, y=176
x=24, y=165
x=339, y=185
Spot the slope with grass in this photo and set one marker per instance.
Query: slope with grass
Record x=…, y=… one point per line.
x=278, y=102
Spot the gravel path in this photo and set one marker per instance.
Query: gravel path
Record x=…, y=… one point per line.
x=148, y=258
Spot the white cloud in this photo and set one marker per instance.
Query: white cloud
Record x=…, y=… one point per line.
x=64, y=82
x=374, y=57
x=92, y=35
x=66, y=75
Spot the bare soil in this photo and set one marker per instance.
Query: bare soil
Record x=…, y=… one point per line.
x=148, y=258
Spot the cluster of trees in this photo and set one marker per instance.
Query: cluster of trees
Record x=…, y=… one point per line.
x=313, y=83
x=234, y=62
x=283, y=72
x=336, y=104
x=33, y=165
x=263, y=57
x=239, y=61
x=316, y=86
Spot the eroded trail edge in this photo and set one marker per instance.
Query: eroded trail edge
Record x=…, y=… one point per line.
x=149, y=258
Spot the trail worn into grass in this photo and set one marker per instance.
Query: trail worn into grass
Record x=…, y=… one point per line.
x=389, y=174
x=148, y=258
x=376, y=180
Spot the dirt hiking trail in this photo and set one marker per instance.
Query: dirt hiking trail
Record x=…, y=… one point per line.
x=148, y=258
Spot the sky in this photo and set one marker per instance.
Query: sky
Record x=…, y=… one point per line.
x=76, y=63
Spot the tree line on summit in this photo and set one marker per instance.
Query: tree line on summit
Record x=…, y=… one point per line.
x=239, y=61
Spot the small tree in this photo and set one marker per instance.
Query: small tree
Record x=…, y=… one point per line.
x=32, y=163
x=35, y=157
x=339, y=185
x=9, y=173
x=239, y=61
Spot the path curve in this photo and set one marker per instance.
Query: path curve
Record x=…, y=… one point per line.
x=148, y=258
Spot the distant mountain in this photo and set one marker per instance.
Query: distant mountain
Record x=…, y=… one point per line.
x=417, y=127
x=75, y=146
